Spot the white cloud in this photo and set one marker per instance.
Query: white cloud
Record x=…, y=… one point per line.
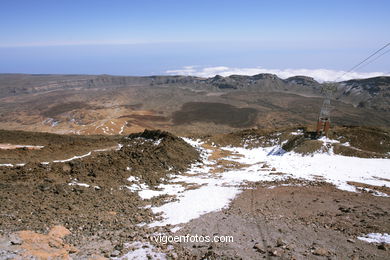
x=318, y=74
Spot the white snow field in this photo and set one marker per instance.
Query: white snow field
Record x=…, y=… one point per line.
x=376, y=238
x=218, y=189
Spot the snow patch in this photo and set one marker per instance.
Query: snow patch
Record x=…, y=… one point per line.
x=157, y=142
x=75, y=183
x=326, y=140
x=376, y=238
x=175, y=229
x=123, y=128
x=74, y=157
x=7, y=164
x=373, y=192
x=145, y=192
x=299, y=132
x=11, y=165
x=195, y=203
x=18, y=146
x=132, y=178
x=141, y=250
x=137, y=187
x=164, y=189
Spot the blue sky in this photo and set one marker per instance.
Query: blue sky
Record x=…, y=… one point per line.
x=151, y=37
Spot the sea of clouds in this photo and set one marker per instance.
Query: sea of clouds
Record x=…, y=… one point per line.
x=320, y=75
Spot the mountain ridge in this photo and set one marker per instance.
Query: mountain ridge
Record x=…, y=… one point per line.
x=104, y=104
x=370, y=93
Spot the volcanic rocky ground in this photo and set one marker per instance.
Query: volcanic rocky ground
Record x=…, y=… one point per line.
x=86, y=207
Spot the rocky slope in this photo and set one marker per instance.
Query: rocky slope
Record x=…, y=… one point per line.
x=373, y=93
x=90, y=198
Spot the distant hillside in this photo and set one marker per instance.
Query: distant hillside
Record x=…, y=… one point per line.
x=369, y=93
x=104, y=104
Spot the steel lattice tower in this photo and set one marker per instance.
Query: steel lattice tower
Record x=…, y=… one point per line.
x=323, y=123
